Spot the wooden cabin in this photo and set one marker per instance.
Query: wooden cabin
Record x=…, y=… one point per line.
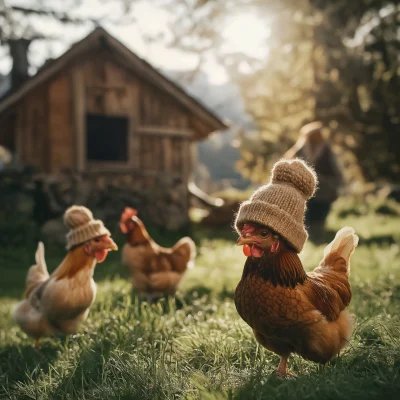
x=99, y=108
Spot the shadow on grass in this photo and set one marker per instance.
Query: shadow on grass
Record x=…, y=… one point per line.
x=18, y=363
x=101, y=372
x=88, y=370
x=357, y=380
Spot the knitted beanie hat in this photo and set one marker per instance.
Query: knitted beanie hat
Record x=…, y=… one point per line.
x=281, y=204
x=82, y=226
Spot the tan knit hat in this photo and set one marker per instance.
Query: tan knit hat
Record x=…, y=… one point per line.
x=281, y=204
x=82, y=226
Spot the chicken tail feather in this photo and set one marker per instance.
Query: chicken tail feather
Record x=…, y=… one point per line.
x=37, y=273
x=337, y=253
x=186, y=249
x=40, y=260
x=193, y=253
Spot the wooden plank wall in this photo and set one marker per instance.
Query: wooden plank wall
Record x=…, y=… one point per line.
x=61, y=138
x=32, y=129
x=165, y=154
x=53, y=123
x=157, y=108
x=78, y=99
x=111, y=89
x=43, y=129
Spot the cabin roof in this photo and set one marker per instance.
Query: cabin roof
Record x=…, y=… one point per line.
x=100, y=37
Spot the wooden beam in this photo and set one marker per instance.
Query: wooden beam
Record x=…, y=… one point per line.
x=19, y=128
x=163, y=131
x=186, y=160
x=134, y=114
x=79, y=117
x=95, y=169
x=106, y=88
x=60, y=125
x=166, y=143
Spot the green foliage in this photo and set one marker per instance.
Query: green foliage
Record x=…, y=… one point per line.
x=335, y=61
x=196, y=346
x=326, y=67
x=16, y=230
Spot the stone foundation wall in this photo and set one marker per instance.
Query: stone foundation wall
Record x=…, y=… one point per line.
x=42, y=200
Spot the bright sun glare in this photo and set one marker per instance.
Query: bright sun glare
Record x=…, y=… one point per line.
x=246, y=33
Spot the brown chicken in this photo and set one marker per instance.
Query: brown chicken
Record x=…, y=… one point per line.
x=58, y=303
x=156, y=271
x=292, y=311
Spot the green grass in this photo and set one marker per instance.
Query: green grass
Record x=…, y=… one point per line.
x=196, y=346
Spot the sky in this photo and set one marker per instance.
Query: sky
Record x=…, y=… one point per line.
x=242, y=32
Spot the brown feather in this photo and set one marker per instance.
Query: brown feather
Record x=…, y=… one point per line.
x=139, y=235
x=283, y=268
x=75, y=260
x=155, y=269
x=292, y=311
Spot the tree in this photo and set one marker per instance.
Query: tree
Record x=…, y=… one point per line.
x=373, y=100
x=335, y=61
x=18, y=29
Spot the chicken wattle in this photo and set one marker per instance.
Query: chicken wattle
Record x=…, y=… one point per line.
x=101, y=255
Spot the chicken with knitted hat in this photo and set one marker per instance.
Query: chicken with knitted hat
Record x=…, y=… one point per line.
x=59, y=302
x=83, y=228
x=281, y=204
x=289, y=310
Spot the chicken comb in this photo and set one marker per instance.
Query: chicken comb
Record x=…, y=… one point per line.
x=248, y=228
x=126, y=215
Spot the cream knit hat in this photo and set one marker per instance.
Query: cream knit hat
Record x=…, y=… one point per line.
x=281, y=204
x=82, y=226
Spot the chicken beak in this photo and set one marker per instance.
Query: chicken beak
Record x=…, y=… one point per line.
x=110, y=243
x=244, y=240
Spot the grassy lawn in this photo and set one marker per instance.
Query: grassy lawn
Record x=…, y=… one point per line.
x=196, y=346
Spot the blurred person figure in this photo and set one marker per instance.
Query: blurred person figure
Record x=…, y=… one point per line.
x=5, y=157
x=317, y=151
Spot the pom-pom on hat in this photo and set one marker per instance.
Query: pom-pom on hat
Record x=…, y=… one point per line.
x=82, y=225
x=281, y=204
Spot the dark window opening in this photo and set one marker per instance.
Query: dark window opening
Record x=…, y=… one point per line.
x=106, y=138
x=8, y=134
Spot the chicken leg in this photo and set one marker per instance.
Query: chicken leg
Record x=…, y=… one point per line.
x=282, y=370
x=283, y=366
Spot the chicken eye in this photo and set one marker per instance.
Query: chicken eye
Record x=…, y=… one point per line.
x=97, y=240
x=264, y=234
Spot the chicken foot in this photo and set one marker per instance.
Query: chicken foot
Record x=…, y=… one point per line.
x=282, y=370
x=37, y=344
x=283, y=365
